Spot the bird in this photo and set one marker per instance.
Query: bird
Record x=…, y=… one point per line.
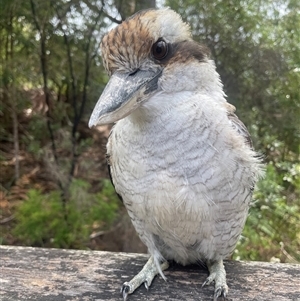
x=178, y=155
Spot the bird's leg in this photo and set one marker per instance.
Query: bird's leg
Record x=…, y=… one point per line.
x=218, y=275
x=145, y=276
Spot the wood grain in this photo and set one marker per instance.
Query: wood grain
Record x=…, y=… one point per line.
x=63, y=275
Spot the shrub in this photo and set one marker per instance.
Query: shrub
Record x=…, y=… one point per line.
x=272, y=229
x=44, y=220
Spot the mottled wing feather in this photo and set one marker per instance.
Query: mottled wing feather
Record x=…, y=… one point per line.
x=110, y=176
x=237, y=124
x=240, y=128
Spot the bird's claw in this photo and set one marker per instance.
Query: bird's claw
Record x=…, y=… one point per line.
x=208, y=281
x=220, y=292
x=125, y=290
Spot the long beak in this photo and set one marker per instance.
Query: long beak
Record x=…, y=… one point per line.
x=123, y=94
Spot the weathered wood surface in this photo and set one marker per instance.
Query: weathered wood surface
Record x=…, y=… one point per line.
x=63, y=275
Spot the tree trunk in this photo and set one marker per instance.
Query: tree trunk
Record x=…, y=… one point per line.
x=129, y=7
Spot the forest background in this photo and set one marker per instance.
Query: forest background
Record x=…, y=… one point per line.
x=55, y=190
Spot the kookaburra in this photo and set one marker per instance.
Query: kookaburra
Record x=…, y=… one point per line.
x=178, y=155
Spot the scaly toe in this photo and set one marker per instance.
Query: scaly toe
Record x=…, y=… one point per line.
x=145, y=276
x=217, y=274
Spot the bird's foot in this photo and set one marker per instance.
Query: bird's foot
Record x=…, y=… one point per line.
x=218, y=275
x=146, y=275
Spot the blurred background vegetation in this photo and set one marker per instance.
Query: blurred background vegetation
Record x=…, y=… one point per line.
x=54, y=187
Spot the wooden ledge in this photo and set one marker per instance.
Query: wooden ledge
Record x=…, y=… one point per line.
x=64, y=275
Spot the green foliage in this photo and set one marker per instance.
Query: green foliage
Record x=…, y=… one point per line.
x=44, y=219
x=38, y=135
x=273, y=229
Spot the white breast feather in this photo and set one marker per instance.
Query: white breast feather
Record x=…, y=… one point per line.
x=184, y=174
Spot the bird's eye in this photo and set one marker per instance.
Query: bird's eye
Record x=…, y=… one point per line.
x=159, y=50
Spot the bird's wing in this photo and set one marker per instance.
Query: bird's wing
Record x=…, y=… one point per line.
x=110, y=176
x=238, y=125
x=240, y=128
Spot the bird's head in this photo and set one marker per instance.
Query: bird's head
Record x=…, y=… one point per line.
x=146, y=54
